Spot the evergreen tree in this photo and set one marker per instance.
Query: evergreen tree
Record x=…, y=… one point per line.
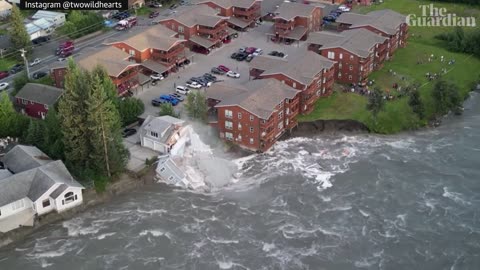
x=53, y=142
x=108, y=155
x=196, y=106
x=446, y=97
x=416, y=104
x=167, y=109
x=18, y=34
x=7, y=115
x=376, y=103
x=73, y=117
x=35, y=133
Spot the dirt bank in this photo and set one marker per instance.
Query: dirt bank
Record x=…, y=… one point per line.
x=305, y=129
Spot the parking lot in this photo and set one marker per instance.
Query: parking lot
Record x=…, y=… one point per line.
x=201, y=64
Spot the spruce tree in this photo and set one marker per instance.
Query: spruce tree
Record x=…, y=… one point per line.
x=18, y=33
x=7, y=115
x=35, y=133
x=376, y=103
x=73, y=117
x=53, y=143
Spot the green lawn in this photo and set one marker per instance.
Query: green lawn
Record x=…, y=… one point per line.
x=397, y=115
x=7, y=63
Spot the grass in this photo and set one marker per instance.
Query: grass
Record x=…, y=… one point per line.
x=143, y=11
x=397, y=115
x=7, y=63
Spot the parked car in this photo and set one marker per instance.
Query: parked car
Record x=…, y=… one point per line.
x=61, y=59
x=174, y=6
x=218, y=71
x=153, y=14
x=278, y=54
x=4, y=74
x=178, y=96
x=202, y=81
x=36, y=61
x=242, y=56
x=329, y=18
x=224, y=68
x=194, y=85
x=38, y=75
x=344, y=8
x=3, y=86
x=182, y=90
x=200, y=50
x=156, y=77
x=157, y=101
x=242, y=49
x=250, y=50
x=234, y=55
x=40, y=40
x=249, y=58
x=257, y=52
x=155, y=5
x=209, y=77
x=17, y=68
x=128, y=132
x=170, y=99
x=233, y=74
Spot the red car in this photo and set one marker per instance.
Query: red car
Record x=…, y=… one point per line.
x=3, y=74
x=224, y=68
x=250, y=50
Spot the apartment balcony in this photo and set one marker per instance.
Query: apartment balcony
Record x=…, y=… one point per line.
x=168, y=54
x=253, y=11
x=213, y=32
x=282, y=25
x=268, y=134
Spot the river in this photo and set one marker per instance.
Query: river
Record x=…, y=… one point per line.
x=408, y=201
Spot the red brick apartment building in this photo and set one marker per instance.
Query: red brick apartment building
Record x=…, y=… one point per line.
x=242, y=13
x=36, y=99
x=256, y=115
x=130, y=61
x=387, y=23
x=200, y=25
x=310, y=73
x=356, y=52
x=293, y=21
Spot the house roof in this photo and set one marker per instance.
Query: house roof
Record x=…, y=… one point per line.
x=49, y=15
x=229, y=3
x=288, y=10
x=221, y=91
x=158, y=37
x=23, y=158
x=302, y=69
x=385, y=20
x=270, y=6
x=40, y=93
x=196, y=15
x=170, y=164
x=358, y=41
x=32, y=179
x=163, y=125
x=38, y=25
x=238, y=22
x=265, y=62
x=4, y=5
x=113, y=59
x=261, y=98
x=202, y=41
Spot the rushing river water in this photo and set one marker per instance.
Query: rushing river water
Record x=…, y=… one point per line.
x=332, y=202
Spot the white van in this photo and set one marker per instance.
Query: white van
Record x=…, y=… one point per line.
x=182, y=90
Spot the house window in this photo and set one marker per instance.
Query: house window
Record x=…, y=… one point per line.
x=340, y=56
x=239, y=115
x=228, y=114
x=46, y=203
x=24, y=101
x=331, y=55
x=18, y=204
x=229, y=136
x=349, y=77
x=154, y=134
x=251, y=117
x=239, y=126
x=170, y=178
x=180, y=29
x=251, y=129
x=69, y=197
x=162, y=169
x=228, y=125
x=251, y=140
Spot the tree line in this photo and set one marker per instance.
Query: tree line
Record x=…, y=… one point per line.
x=469, y=2
x=460, y=41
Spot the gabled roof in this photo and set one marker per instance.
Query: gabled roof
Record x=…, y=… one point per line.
x=196, y=15
x=358, y=41
x=38, y=25
x=385, y=20
x=113, y=59
x=158, y=37
x=32, y=176
x=40, y=93
x=47, y=14
x=265, y=62
x=259, y=98
x=229, y=3
x=163, y=125
x=302, y=69
x=288, y=11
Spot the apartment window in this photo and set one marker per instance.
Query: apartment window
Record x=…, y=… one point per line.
x=251, y=140
x=281, y=104
x=239, y=126
x=361, y=68
x=280, y=115
x=280, y=126
x=46, y=203
x=228, y=114
x=288, y=111
x=324, y=79
x=218, y=10
x=349, y=77
x=263, y=121
x=339, y=75
x=154, y=134
x=350, y=67
x=180, y=29
x=287, y=122
x=228, y=125
x=331, y=55
x=251, y=129
x=340, y=56
x=131, y=52
x=239, y=115
x=229, y=136
x=351, y=57
x=323, y=90
x=239, y=138
x=340, y=65
x=294, y=85
x=251, y=117
x=319, y=93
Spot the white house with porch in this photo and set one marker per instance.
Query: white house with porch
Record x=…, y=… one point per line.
x=160, y=133
x=31, y=184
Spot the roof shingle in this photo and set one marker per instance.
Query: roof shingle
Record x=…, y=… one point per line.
x=385, y=20
x=40, y=93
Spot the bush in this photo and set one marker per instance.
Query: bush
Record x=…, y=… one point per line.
x=130, y=109
x=81, y=23
x=167, y=109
